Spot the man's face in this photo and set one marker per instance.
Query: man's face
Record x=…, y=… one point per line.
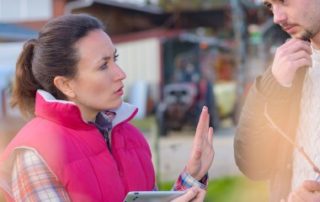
x=299, y=18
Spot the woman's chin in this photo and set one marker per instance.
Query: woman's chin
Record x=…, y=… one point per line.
x=116, y=104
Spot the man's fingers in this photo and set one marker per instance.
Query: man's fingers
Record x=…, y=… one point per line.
x=299, y=55
x=294, y=45
x=303, y=62
x=311, y=185
x=294, y=197
x=308, y=191
x=304, y=194
x=288, y=50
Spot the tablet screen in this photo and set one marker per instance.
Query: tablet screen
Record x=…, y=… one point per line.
x=152, y=196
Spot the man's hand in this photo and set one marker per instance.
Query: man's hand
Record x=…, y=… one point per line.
x=309, y=191
x=289, y=57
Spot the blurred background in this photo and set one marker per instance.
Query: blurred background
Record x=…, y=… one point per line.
x=178, y=55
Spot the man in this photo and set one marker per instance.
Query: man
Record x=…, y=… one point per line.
x=285, y=98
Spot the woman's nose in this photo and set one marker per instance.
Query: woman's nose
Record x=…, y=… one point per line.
x=119, y=73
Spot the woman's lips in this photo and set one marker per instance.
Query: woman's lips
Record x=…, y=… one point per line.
x=119, y=91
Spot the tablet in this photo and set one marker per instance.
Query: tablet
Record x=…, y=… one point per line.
x=152, y=196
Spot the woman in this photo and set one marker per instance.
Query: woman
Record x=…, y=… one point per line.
x=79, y=145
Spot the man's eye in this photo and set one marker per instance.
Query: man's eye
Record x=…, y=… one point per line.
x=268, y=5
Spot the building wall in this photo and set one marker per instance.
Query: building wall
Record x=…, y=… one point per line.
x=12, y=11
x=8, y=58
x=30, y=13
x=141, y=61
x=119, y=21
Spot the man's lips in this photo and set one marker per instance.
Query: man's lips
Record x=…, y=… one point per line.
x=289, y=29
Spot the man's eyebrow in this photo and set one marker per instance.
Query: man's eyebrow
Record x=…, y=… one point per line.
x=267, y=4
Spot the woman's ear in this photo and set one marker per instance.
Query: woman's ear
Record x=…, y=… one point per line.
x=64, y=85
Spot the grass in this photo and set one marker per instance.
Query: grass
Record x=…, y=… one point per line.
x=145, y=123
x=231, y=189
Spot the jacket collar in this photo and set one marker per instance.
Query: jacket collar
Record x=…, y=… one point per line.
x=68, y=113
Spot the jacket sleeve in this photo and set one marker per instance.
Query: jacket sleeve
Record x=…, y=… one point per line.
x=186, y=181
x=32, y=180
x=256, y=143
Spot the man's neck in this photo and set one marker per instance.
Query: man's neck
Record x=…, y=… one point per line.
x=316, y=41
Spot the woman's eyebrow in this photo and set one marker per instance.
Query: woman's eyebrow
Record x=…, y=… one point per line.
x=106, y=58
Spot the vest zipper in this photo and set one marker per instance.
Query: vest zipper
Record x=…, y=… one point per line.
x=119, y=168
x=107, y=139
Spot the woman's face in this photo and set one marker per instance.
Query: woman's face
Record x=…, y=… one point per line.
x=98, y=84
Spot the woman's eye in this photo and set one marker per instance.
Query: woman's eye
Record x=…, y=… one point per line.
x=104, y=66
x=115, y=57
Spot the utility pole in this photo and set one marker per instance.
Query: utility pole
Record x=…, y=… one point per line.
x=239, y=29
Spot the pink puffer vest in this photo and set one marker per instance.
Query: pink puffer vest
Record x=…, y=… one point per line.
x=77, y=153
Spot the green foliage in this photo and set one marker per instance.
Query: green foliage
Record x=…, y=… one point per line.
x=237, y=189
x=232, y=189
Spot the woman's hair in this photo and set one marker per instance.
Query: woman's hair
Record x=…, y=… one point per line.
x=52, y=54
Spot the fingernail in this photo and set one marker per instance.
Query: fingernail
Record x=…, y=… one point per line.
x=204, y=108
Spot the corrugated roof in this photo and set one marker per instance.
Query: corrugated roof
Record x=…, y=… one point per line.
x=153, y=9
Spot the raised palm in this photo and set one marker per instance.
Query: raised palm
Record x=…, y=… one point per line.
x=202, y=149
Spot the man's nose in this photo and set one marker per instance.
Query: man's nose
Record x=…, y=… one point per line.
x=279, y=16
